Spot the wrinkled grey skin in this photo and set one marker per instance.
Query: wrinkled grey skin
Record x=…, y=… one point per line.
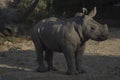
x=67, y=36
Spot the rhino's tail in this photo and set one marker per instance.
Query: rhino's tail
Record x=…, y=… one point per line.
x=35, y=36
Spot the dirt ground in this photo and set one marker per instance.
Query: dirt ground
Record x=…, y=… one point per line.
x=101, y=61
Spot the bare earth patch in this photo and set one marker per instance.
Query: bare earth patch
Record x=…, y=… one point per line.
x=101, y=61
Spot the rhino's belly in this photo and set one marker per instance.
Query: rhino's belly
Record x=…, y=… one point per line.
x=51, y=45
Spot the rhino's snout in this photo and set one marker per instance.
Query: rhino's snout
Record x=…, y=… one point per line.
x=102, y=37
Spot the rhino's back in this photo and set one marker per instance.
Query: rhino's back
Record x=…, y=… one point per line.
x=54, y=34
x=51, y=34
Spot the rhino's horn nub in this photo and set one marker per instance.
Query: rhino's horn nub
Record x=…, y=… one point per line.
x=106, y=27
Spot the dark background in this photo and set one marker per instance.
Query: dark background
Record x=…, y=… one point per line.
x=17, y=16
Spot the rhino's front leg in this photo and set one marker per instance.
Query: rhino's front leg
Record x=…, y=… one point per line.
x=78, y=58
x=70, y=59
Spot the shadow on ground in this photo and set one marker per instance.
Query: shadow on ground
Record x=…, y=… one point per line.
x=20, y=65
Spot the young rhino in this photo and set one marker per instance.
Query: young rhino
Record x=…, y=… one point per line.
x=67, y=36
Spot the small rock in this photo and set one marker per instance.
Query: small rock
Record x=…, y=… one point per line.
x=8, y=43
x=14, y=49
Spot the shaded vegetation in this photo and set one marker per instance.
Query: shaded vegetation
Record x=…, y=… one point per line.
x=17, y=16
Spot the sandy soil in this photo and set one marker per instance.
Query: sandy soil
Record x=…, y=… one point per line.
x=101, y=61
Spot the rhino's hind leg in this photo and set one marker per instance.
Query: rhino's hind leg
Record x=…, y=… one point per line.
x=49, y=60
x=39, y=51
x=41, y=66
x=78, y=58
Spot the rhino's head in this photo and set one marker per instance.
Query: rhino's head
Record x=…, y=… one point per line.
x=94, y=30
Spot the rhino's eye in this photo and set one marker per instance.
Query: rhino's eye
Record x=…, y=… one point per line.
x=92, y=28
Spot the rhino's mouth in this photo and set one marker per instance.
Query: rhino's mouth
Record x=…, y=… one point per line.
x=101, y=38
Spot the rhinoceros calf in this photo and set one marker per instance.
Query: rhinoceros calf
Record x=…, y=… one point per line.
x=67, y=36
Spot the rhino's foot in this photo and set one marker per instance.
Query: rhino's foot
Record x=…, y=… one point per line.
x=82, y=71
x=71, y=72
x=52, y=69
x=42, y=69
x=75, y=73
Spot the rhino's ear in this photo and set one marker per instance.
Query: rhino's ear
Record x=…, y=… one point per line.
x=93, y=12
x=84, y=10
x=83, y=13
